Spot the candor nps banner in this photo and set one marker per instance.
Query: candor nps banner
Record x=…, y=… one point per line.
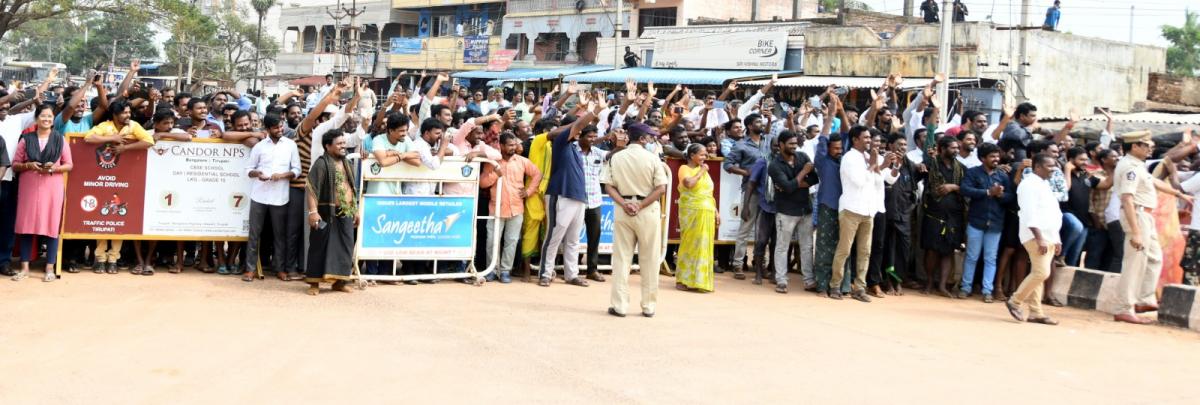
x=173, y=191
x=417, y=227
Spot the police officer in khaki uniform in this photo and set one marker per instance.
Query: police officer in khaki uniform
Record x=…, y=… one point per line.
x=636, y=179
x=1142, y=262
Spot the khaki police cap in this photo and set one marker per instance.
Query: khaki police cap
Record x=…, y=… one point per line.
x=1136, y=136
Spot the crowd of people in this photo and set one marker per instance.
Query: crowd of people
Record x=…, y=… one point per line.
x=990, y=208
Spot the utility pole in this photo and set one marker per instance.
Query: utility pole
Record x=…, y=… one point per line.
x=908, y=8
x=943, y=61
x=1021, y=56
x=350, y=48
x=617, y=37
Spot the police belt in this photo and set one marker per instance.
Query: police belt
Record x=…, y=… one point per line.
x=633, y=197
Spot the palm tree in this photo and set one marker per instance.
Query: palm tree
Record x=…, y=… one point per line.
x=261, y=7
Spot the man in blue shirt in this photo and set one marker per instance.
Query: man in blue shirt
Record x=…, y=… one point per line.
x=829, y=168
x=1052, y=15
x=988, y=189
x=744, y=155
x=566, y=202
x=764, y=237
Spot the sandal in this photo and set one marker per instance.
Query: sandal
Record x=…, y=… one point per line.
x=342, y=286
x=1045, y=320
x=282, y=276
x=70, y=268
x=224, y=271
x=148, y=270
x=248, y=277
x=111, y=268
x=176, y=270
x=136, y=270
x=21, y=275
x=578, y=282
x=49, y=277
x=681, y=287
x=314, y=291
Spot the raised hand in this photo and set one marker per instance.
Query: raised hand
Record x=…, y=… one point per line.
x=598, y=105
x=650, y=89
x=732, y=86
x=573, y=87
x=630, y=87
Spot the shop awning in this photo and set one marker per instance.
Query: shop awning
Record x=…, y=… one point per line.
x=674, y=76
x=852, y=82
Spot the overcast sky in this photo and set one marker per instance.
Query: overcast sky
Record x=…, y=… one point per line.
x=1107, y=19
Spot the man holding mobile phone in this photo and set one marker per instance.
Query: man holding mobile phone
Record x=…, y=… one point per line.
x=273, y=162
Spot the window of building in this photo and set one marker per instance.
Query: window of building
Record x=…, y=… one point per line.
x=655, y=17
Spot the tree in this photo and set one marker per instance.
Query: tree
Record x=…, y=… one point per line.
x=261, y=7
x=238, y=46
x=1183, y=57
x=16, y=13
x=61, y=39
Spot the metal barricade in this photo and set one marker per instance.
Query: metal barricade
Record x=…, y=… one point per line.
x=401, y=227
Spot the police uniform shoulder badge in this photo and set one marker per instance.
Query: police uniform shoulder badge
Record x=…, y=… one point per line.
x=1131, y=175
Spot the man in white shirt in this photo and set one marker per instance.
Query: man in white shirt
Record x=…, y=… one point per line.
x=273, y=162
x=861, y=198
x=11, y=126
x=1040, y=221
x=966, y=150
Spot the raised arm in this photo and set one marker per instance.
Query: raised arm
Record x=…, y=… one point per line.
x=437, y=85
x=728, y=90
x=310, y=120
x=123, y=90
x=1005, y=118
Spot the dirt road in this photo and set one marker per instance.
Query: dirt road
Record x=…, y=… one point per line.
x=196, y=338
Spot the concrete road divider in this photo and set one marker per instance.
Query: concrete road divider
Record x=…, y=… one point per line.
x=1180, y=307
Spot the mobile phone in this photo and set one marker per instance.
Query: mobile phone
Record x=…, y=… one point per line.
x=815, y=102
x=678, y=110
x=322, y=224
x=718, y=104
x=520, y=113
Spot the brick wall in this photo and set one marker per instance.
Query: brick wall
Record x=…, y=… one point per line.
x=1165, y=88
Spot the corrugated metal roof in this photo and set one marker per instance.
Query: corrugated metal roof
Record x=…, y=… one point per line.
x=672, y=76
x=853, y=82
x=1151, y=118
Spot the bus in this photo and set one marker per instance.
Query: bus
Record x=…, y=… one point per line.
x=29, y=72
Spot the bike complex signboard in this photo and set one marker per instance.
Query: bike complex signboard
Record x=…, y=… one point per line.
x=173, y=191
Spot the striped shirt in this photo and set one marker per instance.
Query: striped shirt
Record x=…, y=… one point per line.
x=306, y=141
